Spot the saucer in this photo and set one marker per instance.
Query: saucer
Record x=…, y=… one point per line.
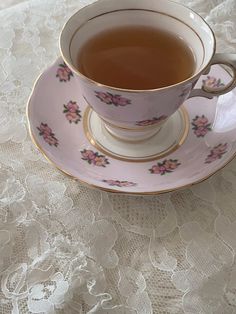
x=192, y=145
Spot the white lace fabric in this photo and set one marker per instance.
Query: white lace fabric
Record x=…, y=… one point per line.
x=65, y=248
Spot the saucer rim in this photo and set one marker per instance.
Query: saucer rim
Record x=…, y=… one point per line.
x=101, y=188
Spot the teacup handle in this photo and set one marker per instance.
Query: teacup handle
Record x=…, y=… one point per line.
x=219, y=58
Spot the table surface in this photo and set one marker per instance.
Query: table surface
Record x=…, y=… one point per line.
x=67, y=249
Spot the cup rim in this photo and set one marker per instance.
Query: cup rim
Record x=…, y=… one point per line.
x=128, y=90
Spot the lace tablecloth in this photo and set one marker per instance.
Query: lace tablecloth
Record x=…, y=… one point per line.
x=67, y=249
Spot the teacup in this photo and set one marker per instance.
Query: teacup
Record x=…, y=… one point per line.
x=136, y=115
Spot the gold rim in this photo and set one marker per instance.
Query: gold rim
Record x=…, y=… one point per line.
x=109, y=153
x=92, y=186
x=70, y=65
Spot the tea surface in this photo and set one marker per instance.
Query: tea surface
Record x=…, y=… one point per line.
x=136, y=57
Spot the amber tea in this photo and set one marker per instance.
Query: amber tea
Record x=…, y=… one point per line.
x=136, y=57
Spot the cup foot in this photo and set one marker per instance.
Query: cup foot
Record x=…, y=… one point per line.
x=161, y=142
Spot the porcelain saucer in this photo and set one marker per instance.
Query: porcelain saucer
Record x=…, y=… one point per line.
x=195, y=143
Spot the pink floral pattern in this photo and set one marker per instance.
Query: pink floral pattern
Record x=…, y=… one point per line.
x=167, y=166
x=152, y=121
x=72, y=112
x=111, y=99
x=94, y=158
x=212, y=82
x=64, y=73
x=119, y=183
x=216, y=153
x=48, y=135
x=201, y=126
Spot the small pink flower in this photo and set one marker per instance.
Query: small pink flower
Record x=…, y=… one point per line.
x=47, y=134
x=216, y=153
x=94, y=158
x=72, y=116
x=171, y=164
x=151, y=121
x=201, y=126
x=201, y=131
x=64, y=73
x=212, y=82
x=104, y=97
x=120, y=183
x=120, y=101
x=72, y=106
x=71, y=109
x=44, y=129
x=200, y=121
x=51, y=140
x=101, y=161
x=156, y=169
x=109, y=99
x=88, y=154
x=164, y=167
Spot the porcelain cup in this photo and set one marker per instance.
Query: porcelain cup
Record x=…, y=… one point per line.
x=136, y=115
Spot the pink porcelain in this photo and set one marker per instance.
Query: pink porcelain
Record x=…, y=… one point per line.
x=143, y=111
x=210, y=143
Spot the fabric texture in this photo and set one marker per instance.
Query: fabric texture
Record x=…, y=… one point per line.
x=65, y=248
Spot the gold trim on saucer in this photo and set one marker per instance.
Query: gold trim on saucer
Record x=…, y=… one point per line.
x=97, y=187
x=91, y=138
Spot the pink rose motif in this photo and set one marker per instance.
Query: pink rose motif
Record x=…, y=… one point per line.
x=152, y=121
x=88, y=154
x=212, y=82
x=100, y=161
x=158, y=169
x=46, y=132
x=110, y=99
x=94, y=158
x=72, y=106
x=104, y=97
x=120, y=101
x=44, y=129
x=201, y=126
x=201, y=131
x=216, y=153
x=64, y=73
x=51, y=141
x=167, y=166
x=72, y=112
x=119, y=183
x=72, y=117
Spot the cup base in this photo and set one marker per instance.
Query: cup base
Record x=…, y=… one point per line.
x=131, y=136
x=160, y=142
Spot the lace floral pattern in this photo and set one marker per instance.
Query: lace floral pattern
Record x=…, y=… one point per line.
x=68, y=249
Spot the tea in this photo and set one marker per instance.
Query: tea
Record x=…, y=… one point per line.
x=136, y=57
